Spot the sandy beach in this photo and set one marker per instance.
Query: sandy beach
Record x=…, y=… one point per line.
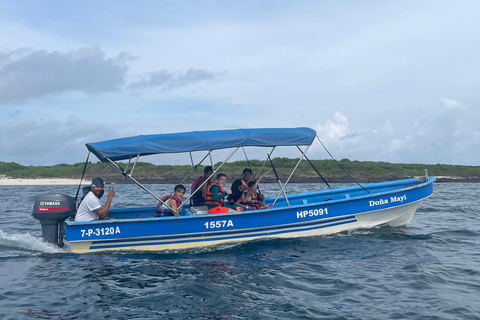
x=5, y=181
x=38, y=182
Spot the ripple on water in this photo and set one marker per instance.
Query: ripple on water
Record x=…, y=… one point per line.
x=426, y=270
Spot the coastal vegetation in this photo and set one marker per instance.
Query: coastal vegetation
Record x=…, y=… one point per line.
x=332, y=171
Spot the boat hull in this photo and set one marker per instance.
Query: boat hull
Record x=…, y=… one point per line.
x=306, y=214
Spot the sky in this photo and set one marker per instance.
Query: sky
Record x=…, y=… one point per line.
x=393, y=81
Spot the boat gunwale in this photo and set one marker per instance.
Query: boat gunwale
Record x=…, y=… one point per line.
x=260, y=211
x=256, y=229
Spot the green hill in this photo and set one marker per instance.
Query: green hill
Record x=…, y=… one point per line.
x=332, y=171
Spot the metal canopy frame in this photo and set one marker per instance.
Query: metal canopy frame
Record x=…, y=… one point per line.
x=291, y=174
x=194, y=167
x=129, y=174
x=214, y=171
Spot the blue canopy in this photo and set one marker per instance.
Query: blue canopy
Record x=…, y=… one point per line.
x=124, y=148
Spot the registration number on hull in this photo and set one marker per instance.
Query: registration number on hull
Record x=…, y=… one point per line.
x=312, y=213
x=100, y=231
x=218, y=224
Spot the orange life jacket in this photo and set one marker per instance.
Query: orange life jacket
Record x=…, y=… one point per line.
x=210, y=200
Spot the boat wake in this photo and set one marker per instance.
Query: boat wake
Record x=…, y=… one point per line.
x=24, y=242
x=383, y=233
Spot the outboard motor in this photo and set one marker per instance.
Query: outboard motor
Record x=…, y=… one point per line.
x=52, y=209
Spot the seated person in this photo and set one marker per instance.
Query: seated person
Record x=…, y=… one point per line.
x=251, y=200
x=198, y=198
x=90, y=208
x=172, y=201
x=238, y=203
x=215, y=197
x=240, y=186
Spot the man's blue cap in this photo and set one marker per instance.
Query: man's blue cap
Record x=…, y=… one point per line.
x=97, y=181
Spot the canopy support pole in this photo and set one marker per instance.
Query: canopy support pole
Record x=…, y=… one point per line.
x=211, y=160
x=250, y=166
x=215, y=171
x=341, y=167
x=127, y=176
x=191, y=159
x=194, y=167
x=314, y=168
x=291, y=174
x=83, y=173
x=128, y=164
x=264, y=162
x=279, y=182
x=136, y=160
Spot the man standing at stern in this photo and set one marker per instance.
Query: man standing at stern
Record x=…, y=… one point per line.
x=90, y=207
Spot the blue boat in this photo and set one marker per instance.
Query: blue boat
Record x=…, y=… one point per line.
x=313, y=213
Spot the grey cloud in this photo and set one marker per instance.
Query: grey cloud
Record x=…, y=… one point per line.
x=26, y=73
x=169, y=80
x=48, y=142
x=154, y=79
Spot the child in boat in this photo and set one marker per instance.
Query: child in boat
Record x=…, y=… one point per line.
x=215, y=197
x=172, y=201
x=243, y=187
x=251, y=199
x=241, y=195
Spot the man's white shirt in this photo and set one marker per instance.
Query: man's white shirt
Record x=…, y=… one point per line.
x=86, y=209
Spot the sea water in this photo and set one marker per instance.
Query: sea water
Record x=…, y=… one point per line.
x=429, y=269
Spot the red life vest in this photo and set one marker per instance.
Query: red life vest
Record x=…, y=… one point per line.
x=165, y=199
x=210, y=200
x=197, y=182
x=253, y=202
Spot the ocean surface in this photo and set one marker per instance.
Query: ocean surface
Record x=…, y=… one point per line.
x=429, y=269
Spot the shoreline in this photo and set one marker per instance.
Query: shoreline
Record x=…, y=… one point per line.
x=39, y=182
x=4, y=181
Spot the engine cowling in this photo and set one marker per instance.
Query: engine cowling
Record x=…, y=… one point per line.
x=52, y=209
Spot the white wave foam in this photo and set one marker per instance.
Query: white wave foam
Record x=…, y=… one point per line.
x=25, y=241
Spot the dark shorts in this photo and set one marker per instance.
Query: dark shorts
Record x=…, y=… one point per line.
x=164, y=213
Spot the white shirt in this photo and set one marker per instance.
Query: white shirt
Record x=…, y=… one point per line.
x=86, y=209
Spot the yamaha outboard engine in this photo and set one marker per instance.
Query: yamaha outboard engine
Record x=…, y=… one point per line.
x=52, y=209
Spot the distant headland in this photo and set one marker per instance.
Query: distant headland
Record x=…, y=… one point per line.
x=343, y=171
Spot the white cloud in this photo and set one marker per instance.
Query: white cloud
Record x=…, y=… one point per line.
x=450, y=104
x=444, y=136
x=335, y=129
